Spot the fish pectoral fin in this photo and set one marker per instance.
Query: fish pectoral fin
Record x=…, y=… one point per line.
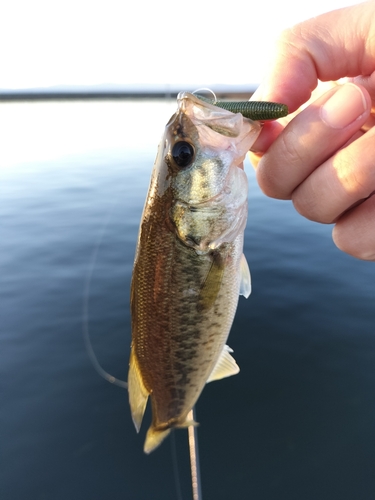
x=245, y=277
x=212, y=284
x=154, y=438
x=226, y=366
x=138, y=394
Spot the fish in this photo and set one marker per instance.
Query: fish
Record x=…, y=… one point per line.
x=189, y=266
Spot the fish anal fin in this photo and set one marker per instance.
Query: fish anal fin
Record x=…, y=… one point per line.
x=226, y=366
x=245, y=278
x=154, y=438
x=138, y=394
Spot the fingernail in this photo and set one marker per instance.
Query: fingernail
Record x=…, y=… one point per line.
x=344, y=107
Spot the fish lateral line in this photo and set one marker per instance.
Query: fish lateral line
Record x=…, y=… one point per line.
x=255, y=110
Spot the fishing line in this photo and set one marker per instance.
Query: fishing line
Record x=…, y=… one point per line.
x=85, y=308
x=176, y=472
x=194, y=457
x=206, y=89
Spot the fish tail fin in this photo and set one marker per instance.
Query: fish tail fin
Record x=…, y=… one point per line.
x=138, y=394
x=154, y=438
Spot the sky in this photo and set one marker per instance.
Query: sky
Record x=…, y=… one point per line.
x=46, y=43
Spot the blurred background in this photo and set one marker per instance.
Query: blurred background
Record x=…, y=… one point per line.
x=162, y=44
x=298, y=421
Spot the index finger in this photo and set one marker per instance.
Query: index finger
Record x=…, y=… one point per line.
x=328, y=47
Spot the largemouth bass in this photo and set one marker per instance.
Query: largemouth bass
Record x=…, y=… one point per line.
x=189, y=267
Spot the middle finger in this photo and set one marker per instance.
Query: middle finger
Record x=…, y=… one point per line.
x=340, y=182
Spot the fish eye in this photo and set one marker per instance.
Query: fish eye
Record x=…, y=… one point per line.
x=183, y=153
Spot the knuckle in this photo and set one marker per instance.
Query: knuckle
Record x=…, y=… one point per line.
x=354, y=232
x=309, y=202
x=309, y=208
x=354, y=173
x=351, y=246
x=279, y=170
x=347, y=172
x=268, y=178
x=291, y=148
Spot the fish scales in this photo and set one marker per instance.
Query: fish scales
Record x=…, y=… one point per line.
x=189, y=264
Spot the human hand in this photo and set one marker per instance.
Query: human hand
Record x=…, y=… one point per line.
x=323, y=157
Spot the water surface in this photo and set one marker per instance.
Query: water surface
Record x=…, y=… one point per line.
x=298, y=422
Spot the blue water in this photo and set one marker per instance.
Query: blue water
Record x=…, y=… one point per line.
x=298, y=422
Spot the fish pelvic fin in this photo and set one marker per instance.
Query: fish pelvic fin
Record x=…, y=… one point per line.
x=138, y=394
x=154, y=438
x=226, y=366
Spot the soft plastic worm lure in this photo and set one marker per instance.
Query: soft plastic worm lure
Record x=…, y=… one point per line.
x=255, y=110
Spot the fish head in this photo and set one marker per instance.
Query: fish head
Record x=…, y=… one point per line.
x=203, y=155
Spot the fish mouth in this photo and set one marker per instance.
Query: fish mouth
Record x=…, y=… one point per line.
x=219, y=120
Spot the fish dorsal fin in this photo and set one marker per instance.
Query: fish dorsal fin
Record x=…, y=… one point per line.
x=138, y=394
x=245, y=277
x=225, y=366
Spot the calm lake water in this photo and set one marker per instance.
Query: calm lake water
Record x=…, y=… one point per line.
x=298, y=422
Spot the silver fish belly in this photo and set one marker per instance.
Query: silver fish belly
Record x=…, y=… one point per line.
x=189, y=267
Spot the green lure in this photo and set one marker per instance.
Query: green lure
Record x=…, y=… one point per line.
x=255, y=110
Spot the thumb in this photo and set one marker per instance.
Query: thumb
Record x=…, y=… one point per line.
x=334, y=45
